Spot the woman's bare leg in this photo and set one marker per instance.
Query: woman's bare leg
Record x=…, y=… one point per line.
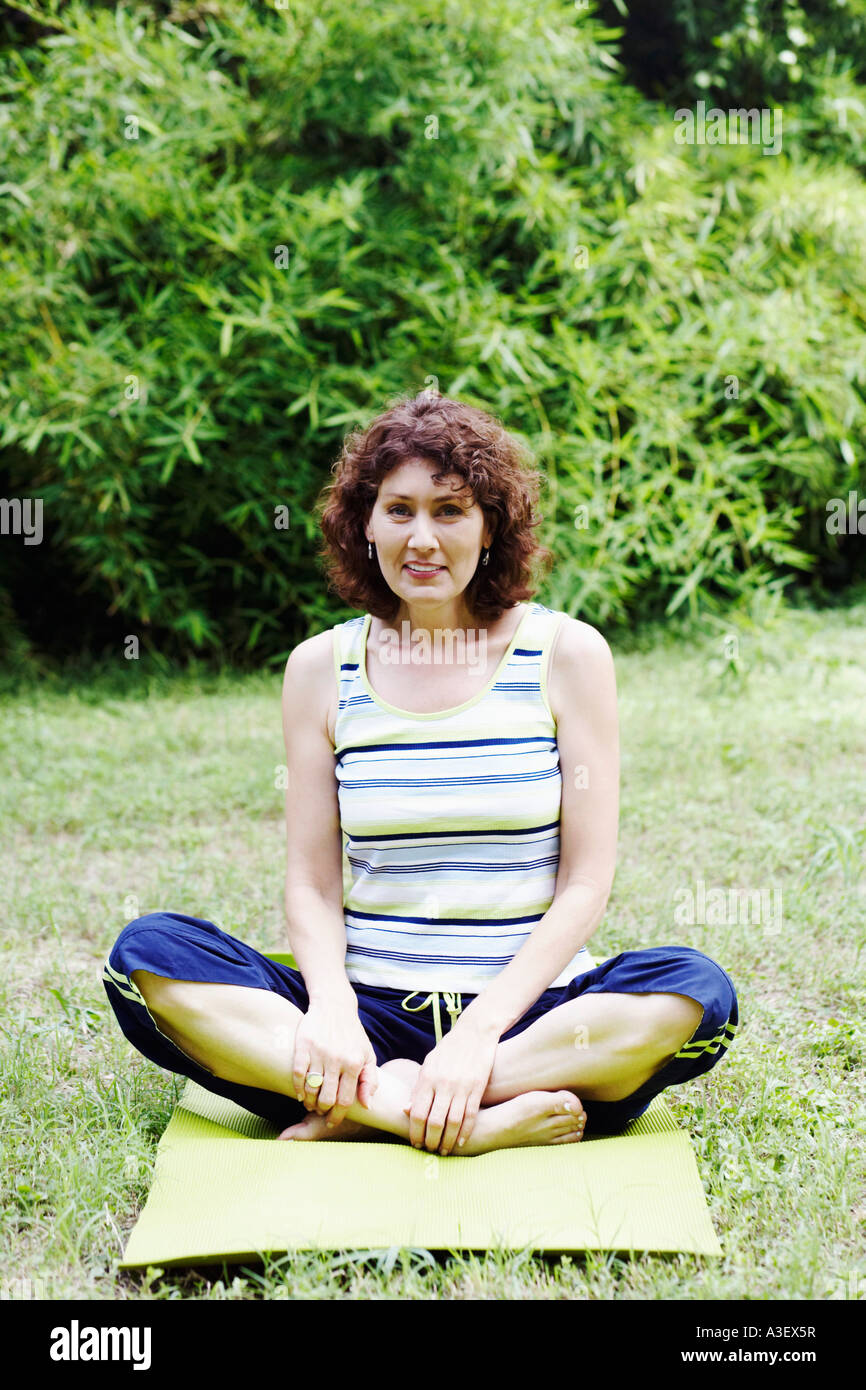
x=316, y=1127
x=600, y=1046
x=247, y=1036
x=603, y=1046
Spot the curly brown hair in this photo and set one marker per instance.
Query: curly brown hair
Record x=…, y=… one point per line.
x=461, y=439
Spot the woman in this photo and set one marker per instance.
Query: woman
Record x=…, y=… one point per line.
x=462, y=740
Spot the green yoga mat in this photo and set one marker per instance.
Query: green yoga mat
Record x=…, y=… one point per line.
x=225, y=1189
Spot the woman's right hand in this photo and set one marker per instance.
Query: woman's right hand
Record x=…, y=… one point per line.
x=331, y=1041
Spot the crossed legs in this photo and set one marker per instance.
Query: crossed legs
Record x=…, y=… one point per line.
x=600, y=1046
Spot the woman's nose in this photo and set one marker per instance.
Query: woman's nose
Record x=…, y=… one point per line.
x=422, y=535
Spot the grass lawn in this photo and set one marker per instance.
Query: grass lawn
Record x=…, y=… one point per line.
x=130, y=793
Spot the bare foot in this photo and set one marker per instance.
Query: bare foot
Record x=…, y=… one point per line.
x=316, y=1127
x=537, y=1117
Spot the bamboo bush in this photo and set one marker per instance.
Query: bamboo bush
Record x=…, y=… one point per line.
x=232, y=230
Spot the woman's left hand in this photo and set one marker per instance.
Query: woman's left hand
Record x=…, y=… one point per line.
x=447, y=1094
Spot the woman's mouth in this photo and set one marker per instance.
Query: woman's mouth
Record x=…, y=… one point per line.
x=424, y=571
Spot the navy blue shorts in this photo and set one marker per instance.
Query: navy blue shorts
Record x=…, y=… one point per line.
x=188, y=948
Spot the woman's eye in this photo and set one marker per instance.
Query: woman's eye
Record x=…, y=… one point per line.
x=401, y=507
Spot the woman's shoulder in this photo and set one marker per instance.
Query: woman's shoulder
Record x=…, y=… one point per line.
x=314, y=658
x=578, y=649
x=573, y=637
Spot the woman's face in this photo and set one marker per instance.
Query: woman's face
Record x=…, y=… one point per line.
x=433, y=524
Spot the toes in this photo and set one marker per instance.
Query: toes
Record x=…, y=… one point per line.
x=298, y=1131
x=568, y=1104
x=571, y=1120
x=572, y=1129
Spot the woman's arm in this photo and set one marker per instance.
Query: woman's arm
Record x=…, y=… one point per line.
x=330, y=1038
x=314, y=853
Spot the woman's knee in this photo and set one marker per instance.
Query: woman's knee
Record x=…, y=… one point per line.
x=191, y=1000
x=662, y=1021
x=681, y=1019
x=151, y=951
x=708, y=983
x=717, y=984
x=152, y=927
x=149, y=921
x=162, y=991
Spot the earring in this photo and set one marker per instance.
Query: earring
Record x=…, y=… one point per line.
x=369, y=551
x=486, y=557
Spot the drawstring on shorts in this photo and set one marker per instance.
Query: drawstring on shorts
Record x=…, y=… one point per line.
x=453, y=1007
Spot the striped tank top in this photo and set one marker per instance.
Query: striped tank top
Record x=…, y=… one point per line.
x=450, y=820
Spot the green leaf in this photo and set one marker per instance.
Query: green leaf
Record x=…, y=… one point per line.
x=686, y=588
